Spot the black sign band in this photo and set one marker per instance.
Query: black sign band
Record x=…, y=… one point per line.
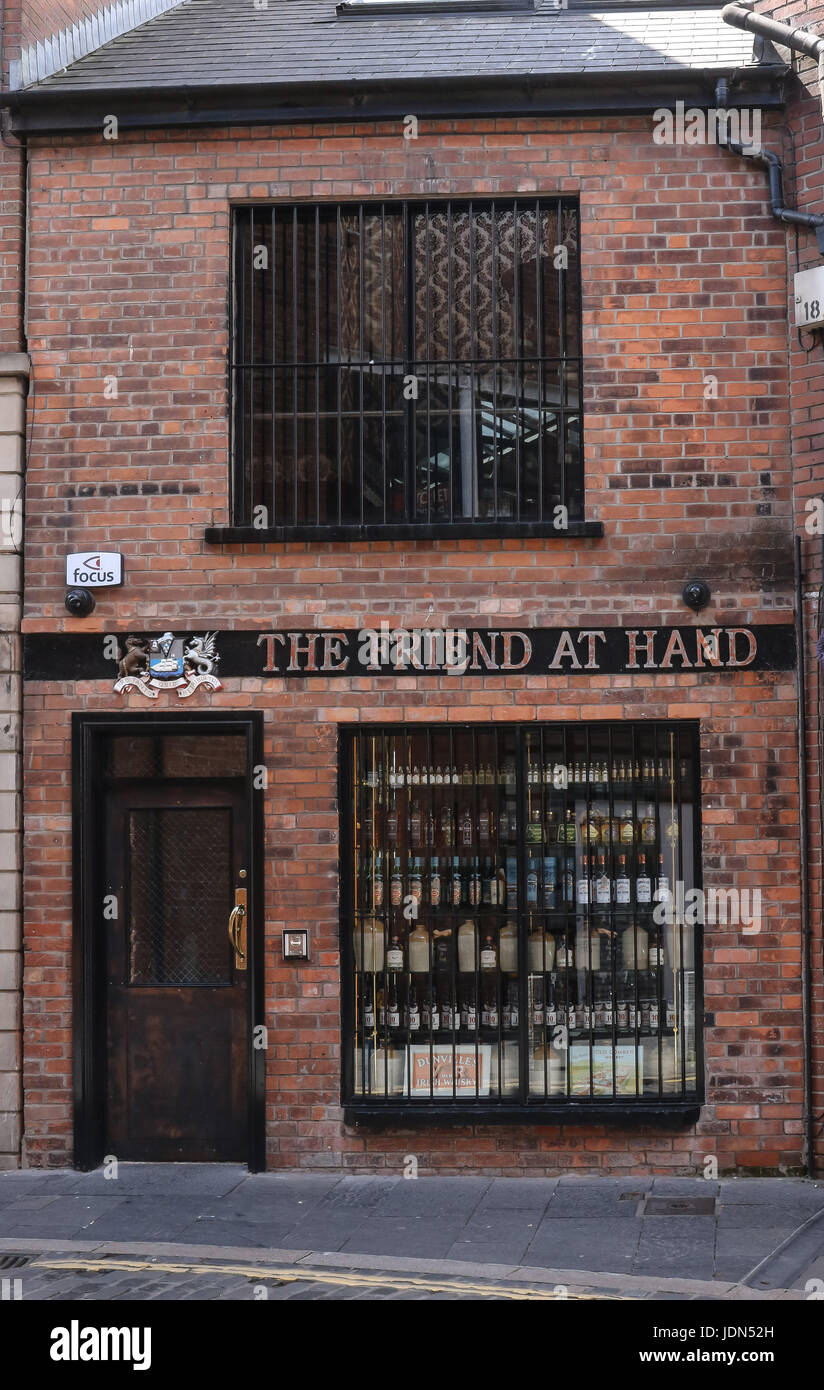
x=386, y=651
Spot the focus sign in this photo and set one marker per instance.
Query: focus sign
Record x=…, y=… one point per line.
x=95, y=569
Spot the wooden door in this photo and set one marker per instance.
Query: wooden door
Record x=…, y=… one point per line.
x=177, y=1031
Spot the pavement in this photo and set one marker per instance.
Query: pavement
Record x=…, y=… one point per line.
x=217, y=1232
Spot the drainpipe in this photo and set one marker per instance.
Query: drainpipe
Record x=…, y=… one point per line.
x=774, y=168
x=741, y=16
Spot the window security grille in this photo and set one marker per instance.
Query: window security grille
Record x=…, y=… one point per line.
x=407, y=368
x=500, y=940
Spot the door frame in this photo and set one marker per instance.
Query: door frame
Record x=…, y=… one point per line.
x=89, y=1056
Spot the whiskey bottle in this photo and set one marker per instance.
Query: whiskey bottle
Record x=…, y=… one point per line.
x=627, y=828
x=584, y=881
x=590, y=827
x=550, y=884
x=377, y=882
x=439, y=776
x=368, y=1003
x=465, y=835
x=622, y=883
x=456, y=884
x=412, y=1012
x=510, y=1011
x=416, y=880
x=394, y=955
x=656, y=950
x=564, y=954
x=466, y=775
x=392, y=822
x=537, y=993
x=489, y=1005
x=489, y=954
x=532, y=883
x=489, y=894
x=603, y=894
x=552, y=1015
x=415, y=824
x=485, y=822
x=661, y=882
x=534, y=829
x=469, y=1008
x=643, y=883
x=431, y=1012
x=649, y=826
x=396, y=882
x=474, y=885
x=393, y=1009
x=447, y=827
x=511, y=888
x=570, y=827
x=430, y=828
x=435, y=884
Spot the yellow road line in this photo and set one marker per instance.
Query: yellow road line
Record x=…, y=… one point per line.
x=347, y=1278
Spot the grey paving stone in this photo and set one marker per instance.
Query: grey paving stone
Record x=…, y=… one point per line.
x=166, y=1179
x=517, y=1194
x=435, y=1197
x=685, y=1187
x=743, y=1215
x=771, y=1191
x=573, y=1203
x=361, y=1193
x=66, y=1216
x=603, y=1244
x=415, y=1236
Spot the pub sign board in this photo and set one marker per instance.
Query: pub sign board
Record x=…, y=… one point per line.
x=291, y=653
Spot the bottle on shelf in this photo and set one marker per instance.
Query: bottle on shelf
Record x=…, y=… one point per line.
x=431, y=1011
x=489, y=952
x=622, y=883
x=590, y=827
x=649, y=826
x=485, y=822
x=394, y=955
x=628, y=828
x=584, y=882
x=416, y=879
x=541, y=951
x=456, y=883
x=508, y=947
x=469, y=1007
x=465, y=832
x=446, y=826
x=415, y=824
x=475, y=884
x=510, y=1014
x=552, y=1015
x=662, y=887
x=393, y=1008
x=537, y=994
x=550, y=883
x=656, y=949
x=412, y=1012
x=429, y=828
x=368, y=1016
x=532, y=883
x=534, y=827
x=377, y=882
x=511, y=881
x=466, y=775
x=489, y=1004
x=643, y=882
x=467, y=946
x=392, y=821
x=435, y=885
x=418, y=948
x=635, y=946
x=603, y=888
x=368, y=942
x=570, y=828
x=564, y=954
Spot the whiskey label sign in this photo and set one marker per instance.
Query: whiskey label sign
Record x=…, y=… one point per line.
x=277, y=653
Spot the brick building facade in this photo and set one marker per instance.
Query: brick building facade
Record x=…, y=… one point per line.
x=698, y=457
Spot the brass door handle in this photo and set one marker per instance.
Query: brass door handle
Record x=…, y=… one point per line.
x=237, y=935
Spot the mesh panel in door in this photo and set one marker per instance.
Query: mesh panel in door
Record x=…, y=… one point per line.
x=179, y=879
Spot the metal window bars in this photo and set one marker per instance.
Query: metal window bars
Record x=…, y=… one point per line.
x=507, y=934
x=406, y=365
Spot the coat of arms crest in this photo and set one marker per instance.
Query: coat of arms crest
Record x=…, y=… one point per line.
x=167, y=663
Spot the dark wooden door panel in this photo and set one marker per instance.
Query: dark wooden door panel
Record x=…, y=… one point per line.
x=176, y=1017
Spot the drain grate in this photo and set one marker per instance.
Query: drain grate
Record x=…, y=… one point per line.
x=15, y=1261
x=679, y=1206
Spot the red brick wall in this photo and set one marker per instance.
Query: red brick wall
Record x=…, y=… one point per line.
x=684, y=276
x=802, y=149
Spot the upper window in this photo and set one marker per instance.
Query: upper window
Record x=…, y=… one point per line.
x=407, y=368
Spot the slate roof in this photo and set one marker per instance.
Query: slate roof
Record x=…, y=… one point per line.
x=230, y=43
